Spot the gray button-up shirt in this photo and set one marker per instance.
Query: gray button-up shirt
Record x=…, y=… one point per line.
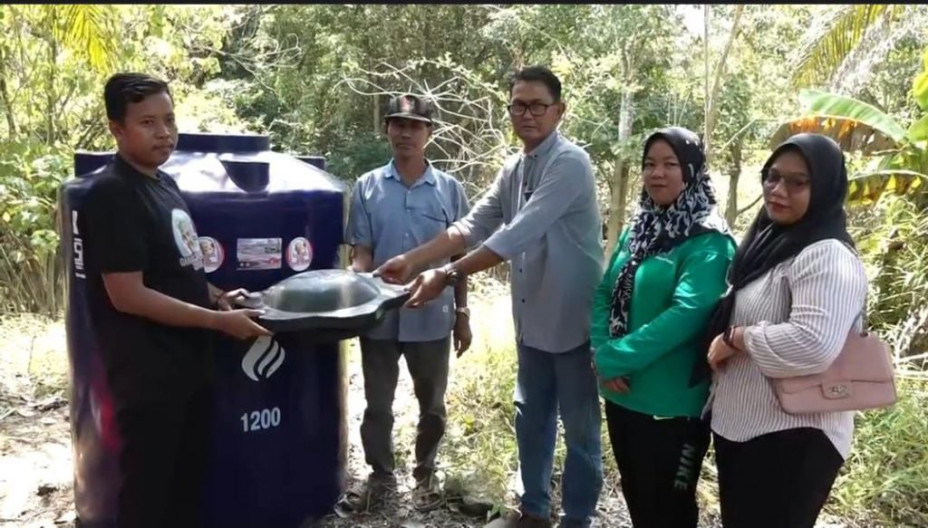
x=541, y=215
x=391, y=219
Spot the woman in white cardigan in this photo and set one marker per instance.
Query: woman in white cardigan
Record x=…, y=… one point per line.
x=797, y=289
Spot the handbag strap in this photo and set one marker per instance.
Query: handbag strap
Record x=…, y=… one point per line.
x=862, y=316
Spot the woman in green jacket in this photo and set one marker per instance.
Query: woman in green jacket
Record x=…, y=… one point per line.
x=650, y=312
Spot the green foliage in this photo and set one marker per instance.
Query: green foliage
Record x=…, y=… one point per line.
x=900, y=165
x=918, y=131
x=54, y=60
x=482, y=427
x=835, y=36
x=84, y=28
x=891, y=237
x=30, y=273
x=882, y=87
x=920, y=84
x=887, y=473
x=363, y=152
x=316, y=78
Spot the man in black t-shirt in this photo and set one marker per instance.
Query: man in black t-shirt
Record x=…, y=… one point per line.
x=152, y=309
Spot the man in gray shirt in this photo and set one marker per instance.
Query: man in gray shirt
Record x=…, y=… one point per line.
x=395, y=208
x=541, y=215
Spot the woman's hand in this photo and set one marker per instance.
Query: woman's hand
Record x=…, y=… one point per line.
x=719, y=353
x=619, y=385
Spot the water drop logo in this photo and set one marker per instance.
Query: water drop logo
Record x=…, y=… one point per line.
x=263, y=358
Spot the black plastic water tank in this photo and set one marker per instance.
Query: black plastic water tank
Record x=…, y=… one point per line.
x=279, y=436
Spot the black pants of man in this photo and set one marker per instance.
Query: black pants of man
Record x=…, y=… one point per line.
x=428, y=366
x=163, y=461
x=778, y=480
x=659, y=461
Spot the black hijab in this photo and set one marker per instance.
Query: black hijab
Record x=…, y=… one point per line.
x=658, y=229
x=768, y=244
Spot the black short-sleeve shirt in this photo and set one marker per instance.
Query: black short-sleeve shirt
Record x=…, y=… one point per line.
x=133, y=222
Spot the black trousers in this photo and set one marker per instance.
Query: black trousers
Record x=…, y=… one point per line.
x=163, y=461
x=778, y=480
x=659, y=462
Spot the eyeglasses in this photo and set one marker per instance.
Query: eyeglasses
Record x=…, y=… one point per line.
x=537, y=109
x=793, y=184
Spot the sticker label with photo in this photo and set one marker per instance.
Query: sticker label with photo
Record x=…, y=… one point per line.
x=213, y=253
x=259, y=253
x=299, y=254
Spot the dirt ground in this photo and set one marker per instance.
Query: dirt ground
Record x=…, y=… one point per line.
x=36, y=471
x=398, y=511
x=35, y=440
x=36, y=468
x=36, y=457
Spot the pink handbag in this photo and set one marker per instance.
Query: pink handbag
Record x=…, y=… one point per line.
x=860, y=378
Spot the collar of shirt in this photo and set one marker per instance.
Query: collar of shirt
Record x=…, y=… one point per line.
x=428, y=177
x=544, y=147
x=124, y=168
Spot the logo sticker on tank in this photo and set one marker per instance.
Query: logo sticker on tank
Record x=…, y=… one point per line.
x=259, y=253
x=213, y=253
x=77, y=247
x=263, y=358
x=299, y=254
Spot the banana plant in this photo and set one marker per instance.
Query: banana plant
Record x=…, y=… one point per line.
x=898, y=154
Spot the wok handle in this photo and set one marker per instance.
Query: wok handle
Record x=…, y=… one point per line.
x=253, y=301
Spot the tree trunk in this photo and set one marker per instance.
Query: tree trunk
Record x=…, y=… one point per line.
x=4, y=88
x=731, y=210
x=5, y=96
x=707, y=134
x=617, y=205
x=711, y=109
x=619, y=198
x=375, y=113
x=50, y=97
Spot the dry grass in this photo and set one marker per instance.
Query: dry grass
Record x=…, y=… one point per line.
x=885, y=483
x=33, y=355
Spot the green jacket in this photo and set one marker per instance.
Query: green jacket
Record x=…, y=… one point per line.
x=672, y=299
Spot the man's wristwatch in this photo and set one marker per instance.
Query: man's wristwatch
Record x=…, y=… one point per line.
x=452, y=275
x=463, y=310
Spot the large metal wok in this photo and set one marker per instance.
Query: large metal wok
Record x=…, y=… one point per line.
x=329, y=305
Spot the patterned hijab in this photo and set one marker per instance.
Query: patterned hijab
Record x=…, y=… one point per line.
x=658, y=229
